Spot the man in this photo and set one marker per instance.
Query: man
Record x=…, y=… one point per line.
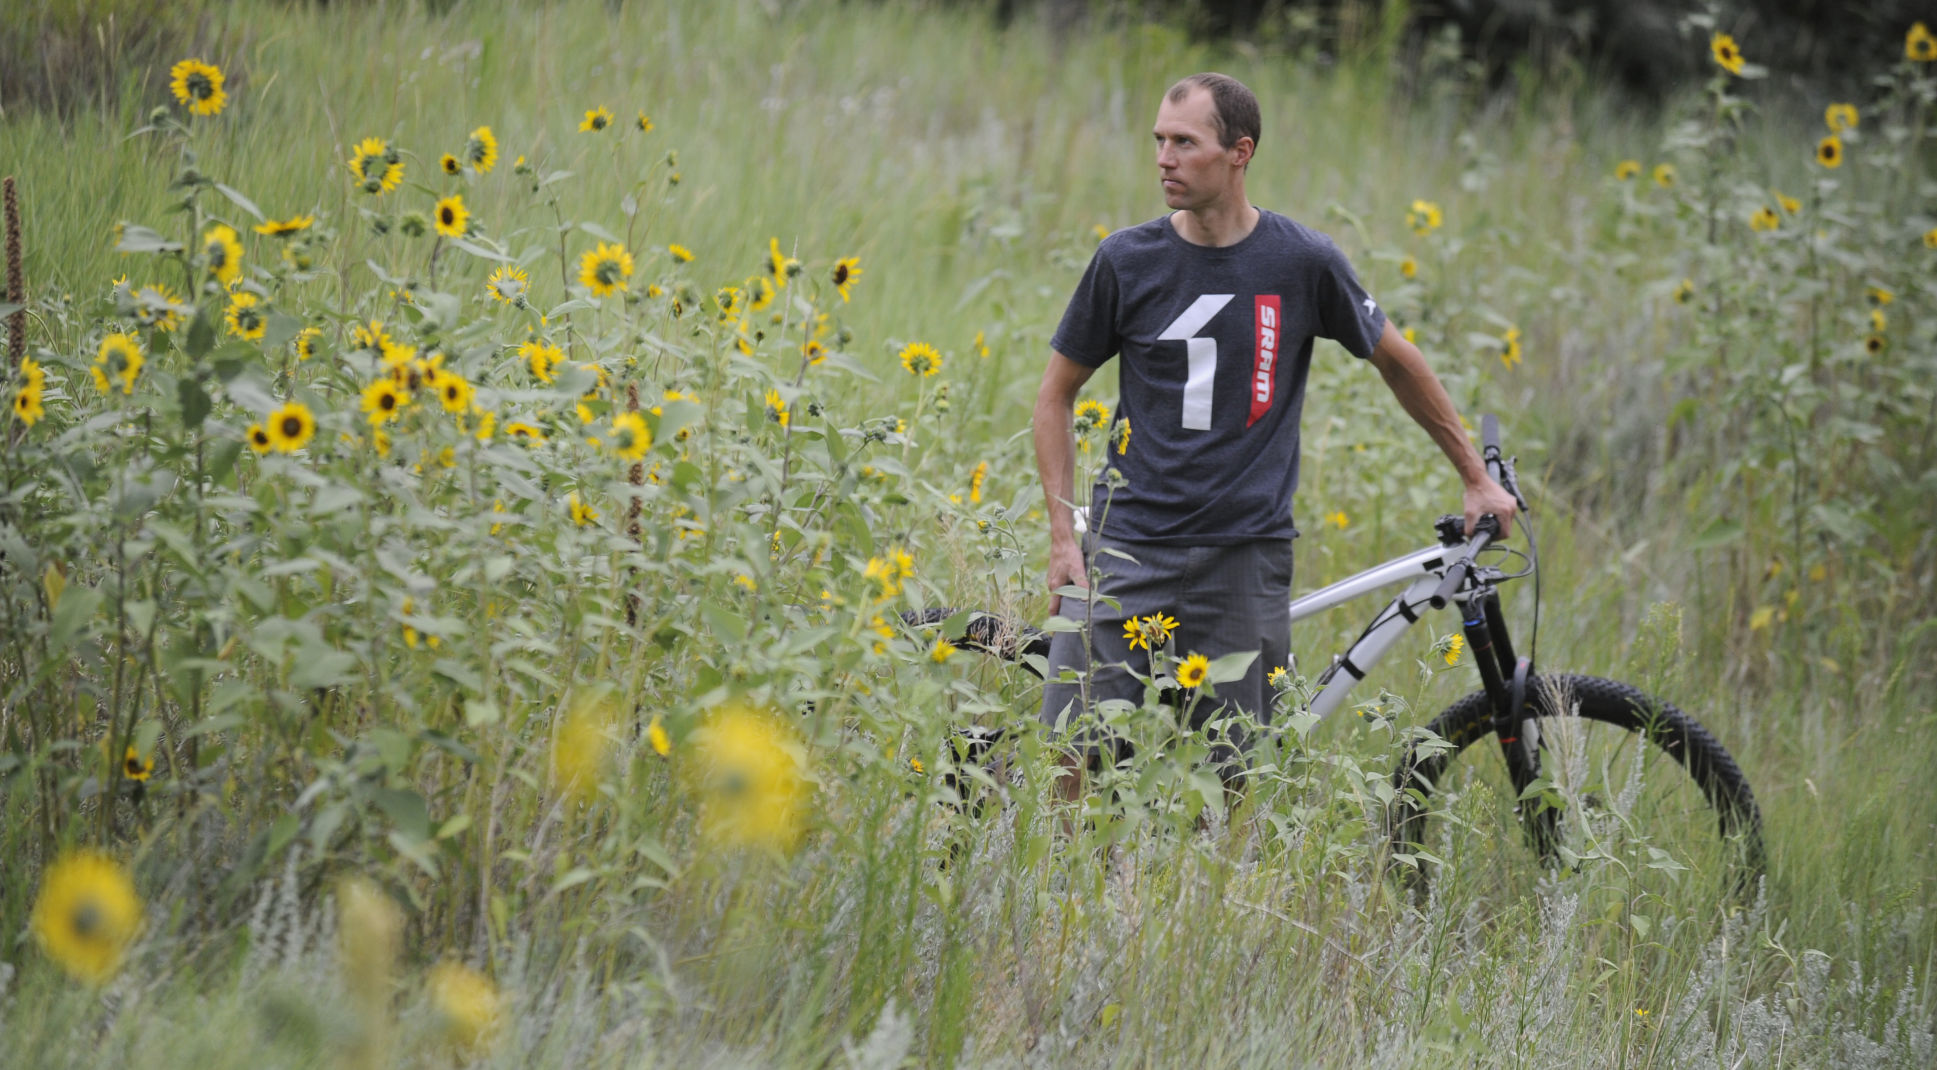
x=1213, y=308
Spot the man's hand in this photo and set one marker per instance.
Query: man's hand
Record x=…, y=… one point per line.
x=1065, y=568
x=1486, y=497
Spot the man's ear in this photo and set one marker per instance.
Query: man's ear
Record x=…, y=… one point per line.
x=1241, y=152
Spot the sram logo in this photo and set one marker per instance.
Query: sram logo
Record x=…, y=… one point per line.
x=1264, y=367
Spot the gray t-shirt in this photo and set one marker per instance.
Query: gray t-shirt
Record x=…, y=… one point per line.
x=1216, y=344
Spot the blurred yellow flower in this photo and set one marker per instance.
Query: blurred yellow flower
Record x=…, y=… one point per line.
x=198, y=86
x=222, y=253
x=259, y=439
x=1789, y=204
x=941, y=651
x=542, y=358
x=662, y=744
x=605, y=269
x=891, y=572
x=1627, y=169
x=1193, y=670
x=291, y=427
x=750, y=772
x=1877, y=295
x=1685, y=291
x=283, y=228
x=1840, y=117
x=1727, y=55
x=1664, y=175
x=582, y=514
x=1423, y=217
x=369, y=929
x=1454, y=645
x=777, y=408
x=466, y=1004
x=379, y=168
x=508, y=284
x=454, y=392
x=383, y=400
x=481, y=150
x=449, y=164
x=846, y=270
x=630, y=436
x=1409, y=268
x=583, y=742
x=975, y=481
x=305, y=342
x=1091, y=415
x=921, y=359
x=782, y=266
x=245, y=316
x=1829, y=152
x=452, y=217
x=1919, y=46
x=680, y=253
x=596, y=120
x=135, y=767
x=118, y=358
x=1765, y=218
x=1510, y=347
x=86, y=915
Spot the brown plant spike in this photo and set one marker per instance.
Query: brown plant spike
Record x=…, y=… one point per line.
x=637, y=477
x=16, y=283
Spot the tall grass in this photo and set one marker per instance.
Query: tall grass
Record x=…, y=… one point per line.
x=967, y=167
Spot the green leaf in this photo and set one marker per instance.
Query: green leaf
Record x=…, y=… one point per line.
x=1232, y=666
x=136, y=239
x=405, y=809
x=240, y=201
x=480, y=252
x=320, y=666
x=194, y=401
x=201, y=335
x=599, y=232
x=1720, y=532
x=481, y=712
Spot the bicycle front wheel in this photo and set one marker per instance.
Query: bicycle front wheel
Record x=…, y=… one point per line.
x=1616, y=768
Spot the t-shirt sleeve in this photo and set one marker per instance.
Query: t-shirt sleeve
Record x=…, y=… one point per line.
x=1346, y=313
x=1088, y=334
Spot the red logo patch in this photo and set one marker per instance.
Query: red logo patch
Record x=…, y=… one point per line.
x=1264, y=366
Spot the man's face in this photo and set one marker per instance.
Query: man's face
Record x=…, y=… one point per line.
x=1195, y=170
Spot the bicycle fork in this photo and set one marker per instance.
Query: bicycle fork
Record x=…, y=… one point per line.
x=1507, y=681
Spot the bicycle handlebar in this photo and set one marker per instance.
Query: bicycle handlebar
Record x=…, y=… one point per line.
x=1484, y=532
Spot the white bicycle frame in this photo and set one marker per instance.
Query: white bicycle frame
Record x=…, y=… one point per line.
x=1425, y=569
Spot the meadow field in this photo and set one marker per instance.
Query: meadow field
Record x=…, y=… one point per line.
x=466, y=465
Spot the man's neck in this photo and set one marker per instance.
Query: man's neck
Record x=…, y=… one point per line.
x=1217, y=225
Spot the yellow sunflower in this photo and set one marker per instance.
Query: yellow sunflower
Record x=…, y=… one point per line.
x=1626, y=170
x=846, y=270
x=1930, y=238
x=283, y=228
x=157, y=306
x=86, y=915
x=27, y=401
x=760, y=293
x=305, y=342
x=630, y=437
x=119, y=357
x=921, y=359
x=582, y=514
x=976, y=479
x=1664, y=175
x=452, y=217
x=750, y=772
x=1840, y=117
x=1765, y=218
x=379, y=168
x=198, y=87
x=782, y=266
x=605, y=269
x=245, y=316
x=1727, y=55
x=259, y=440
x=448, y=163
x=1875, y=344
x=680, y=253
x=1091, y=415
x=1789, y=204
x=481, y=151
x=777, y=408
x=508, y=284
x=1409, y=268
x=1149, y=633
x=1829, y=152
x=542, y=358
x=291, y=427
x=596, y=120
x=1193, y=671
x=1424, y=217
x=814, y=352
x=1510, y=347
x=520, y=431
x=454, y=392
x=1685, y=291
x=643, y=123
x=466, y=1005
x=383, y=400
x=1920, y=46
x=222, y=253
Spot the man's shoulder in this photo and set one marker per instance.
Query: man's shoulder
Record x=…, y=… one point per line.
x=1134, y=240
x=1296, y=236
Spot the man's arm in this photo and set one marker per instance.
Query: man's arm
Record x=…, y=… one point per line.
x=1056, y=462
x=1424, y=398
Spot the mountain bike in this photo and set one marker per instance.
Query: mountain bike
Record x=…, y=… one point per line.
x=1584, y=757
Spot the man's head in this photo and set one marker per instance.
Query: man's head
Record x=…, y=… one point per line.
x=1207, y=128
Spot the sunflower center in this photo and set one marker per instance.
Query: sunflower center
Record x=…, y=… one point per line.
x=840, y=275
x=134, y=767
x=608, y=272
x=86, y=918
x=292, y=426
x=200, y=87
x=386, y=401
x=218, y=255
x=447, y=216
x=260, y=437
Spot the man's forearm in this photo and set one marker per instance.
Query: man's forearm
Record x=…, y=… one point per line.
x=1424, y=398
x=1055, y=437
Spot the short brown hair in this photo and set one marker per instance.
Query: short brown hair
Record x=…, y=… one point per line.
x=1234, y=108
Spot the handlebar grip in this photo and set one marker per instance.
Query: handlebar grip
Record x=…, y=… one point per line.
x=1450, y=585
x=1490, y=444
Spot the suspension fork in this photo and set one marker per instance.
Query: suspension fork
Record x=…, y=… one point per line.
x=1508, y=680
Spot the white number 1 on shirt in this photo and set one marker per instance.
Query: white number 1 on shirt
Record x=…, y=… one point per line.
x=1202, y=354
